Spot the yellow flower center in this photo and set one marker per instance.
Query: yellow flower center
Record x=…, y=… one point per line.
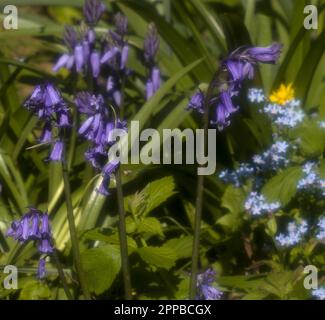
x=283, y=94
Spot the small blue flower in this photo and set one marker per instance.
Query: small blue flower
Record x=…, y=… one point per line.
x=257, y=205
x=321, y=233
x=288, y=115
x=319, y=293
x=294, y=234
x=256, y=95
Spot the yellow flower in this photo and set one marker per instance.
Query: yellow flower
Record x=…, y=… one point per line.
x=283, y=94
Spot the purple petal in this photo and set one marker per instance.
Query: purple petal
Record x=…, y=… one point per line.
x=155, y=79
x=124, y=56
x=117, y=97
x=109, y=55
x=79, y=57
x=57, y=151
x=45, y=226
x=61, y=62
x=52, y=95
x=41, y=271
x=45, y=246
x=47, y=133
x=110, y=84
x=149, y=89
x=95, y=64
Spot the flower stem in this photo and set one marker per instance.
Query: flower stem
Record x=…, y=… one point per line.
x=197, y=223
x=61, y=275
x=73, y=231
x=123, y=238
x=200, y=191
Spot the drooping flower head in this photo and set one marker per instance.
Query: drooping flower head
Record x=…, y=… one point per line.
x=48, y=105
x=236, y=68
x=97, y=128
x=34, y=226
x=115, y=58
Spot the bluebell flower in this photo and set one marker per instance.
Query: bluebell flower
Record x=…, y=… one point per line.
x=121, y=24
x=151, y=45
x=197, y=102
x=115, y=57
x=224, y=109
x=257, y=205
x=150, y=49
x=97, y=128
x=205, y=289
x=93, y=10
x=34, y=226
x=268, y=54
x=319, y=293
x=238, y=66
x=48, y=105
x=295, y=233
x=41, y=271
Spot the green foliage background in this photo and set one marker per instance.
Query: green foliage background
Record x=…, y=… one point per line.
x=159, y=199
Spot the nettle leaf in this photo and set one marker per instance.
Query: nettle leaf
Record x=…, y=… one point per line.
x=112, y=238
x=101, y=266
x=182, y=246
x=283, y=186
x=151, y=197
x=160, y=257
x=150, y=225
x=158, y=192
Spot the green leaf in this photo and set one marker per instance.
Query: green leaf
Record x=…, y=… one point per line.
x=233, y=199
x=160, y=257
x=35, y=290
x=307, y=70
x=182, y=246
x=151, y=197
x=158, y=192
x=101, y=266
x=150, y=225
x=311, y=137
x=283, y=186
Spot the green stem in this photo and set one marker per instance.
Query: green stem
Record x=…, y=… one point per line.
x=61, y=275
x=123, y=238
x=73, y=231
